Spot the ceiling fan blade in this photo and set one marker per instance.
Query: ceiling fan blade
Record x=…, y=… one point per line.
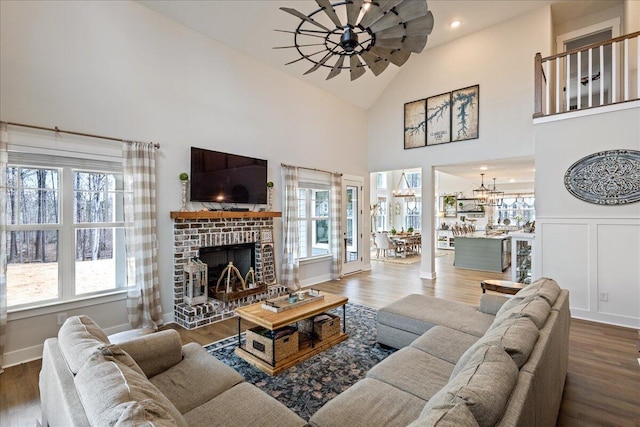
x=300, y=45
x=376, y=64
x=408, y=10
x=420, y=26
x=337, y=67
x=304, y=17
x=412, y=44
x=357, y=69
x=416, y=27
x=301, y=34
x=376, y=10
x=319, y=64
x=396, y=57
x=353, y=11
x=388, y=20
x=331, y=13
x=305, y=57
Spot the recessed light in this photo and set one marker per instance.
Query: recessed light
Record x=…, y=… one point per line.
x=455, y=24
x=512, y=180
x=483, y=168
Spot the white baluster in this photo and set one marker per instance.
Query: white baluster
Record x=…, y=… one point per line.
x=579, y=81
x=602, y=75
x=567, y=83
x=548, y=87
x=614, y=73
x=558, y=96
x=626, y=69
x=590, y=74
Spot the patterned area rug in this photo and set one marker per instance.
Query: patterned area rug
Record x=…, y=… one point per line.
x=306, y=387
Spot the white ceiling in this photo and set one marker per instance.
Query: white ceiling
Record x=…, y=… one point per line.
x=248, y=26
x=520, y=170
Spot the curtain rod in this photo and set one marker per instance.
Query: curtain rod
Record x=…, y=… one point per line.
x=309, y=169
x=70, y=132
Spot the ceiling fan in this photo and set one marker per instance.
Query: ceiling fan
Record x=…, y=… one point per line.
x=377, y=32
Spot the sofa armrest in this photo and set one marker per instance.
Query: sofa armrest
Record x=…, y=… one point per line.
x=490, y=304
x=155, y=353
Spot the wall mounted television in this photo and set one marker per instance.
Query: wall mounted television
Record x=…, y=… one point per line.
x=227, y=178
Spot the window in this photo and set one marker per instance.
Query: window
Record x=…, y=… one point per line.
x=412, y=213
x=516, y=207
x=381, y=217
x=414, y=179
x=313, y=211
x=65, y=229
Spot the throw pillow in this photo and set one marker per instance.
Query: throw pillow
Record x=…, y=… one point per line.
x=78, y=338
x=534, y=307
x=517, y=336
x=110, y=391
x=543, y=287
x=484, y=385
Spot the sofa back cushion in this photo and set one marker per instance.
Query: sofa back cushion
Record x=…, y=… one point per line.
x=78, y=338
x=114, y=393
x=484, y=385
x=517, y=336
x=447, y=415
x=533, y=307
x=544, y=287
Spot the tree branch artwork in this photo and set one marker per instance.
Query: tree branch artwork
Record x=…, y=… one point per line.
x=439, y=119
x=465, y=113
x=414, y=124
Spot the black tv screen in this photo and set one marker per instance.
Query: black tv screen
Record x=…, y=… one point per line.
x=227, y=178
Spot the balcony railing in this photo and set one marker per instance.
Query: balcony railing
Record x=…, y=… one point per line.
x=600, y=74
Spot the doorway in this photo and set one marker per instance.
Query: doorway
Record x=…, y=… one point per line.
x=352, y=260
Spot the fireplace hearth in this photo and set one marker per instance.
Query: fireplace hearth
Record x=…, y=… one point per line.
x=217, y=241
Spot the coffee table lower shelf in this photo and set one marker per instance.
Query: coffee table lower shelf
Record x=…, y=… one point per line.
x=306, y=351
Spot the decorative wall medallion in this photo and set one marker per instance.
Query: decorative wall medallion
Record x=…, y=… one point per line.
x=606, y=178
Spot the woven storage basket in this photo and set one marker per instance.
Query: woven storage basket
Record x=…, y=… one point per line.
x=321, y=329
x=263, y=346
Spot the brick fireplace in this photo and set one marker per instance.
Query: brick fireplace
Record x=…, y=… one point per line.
x=210, y=230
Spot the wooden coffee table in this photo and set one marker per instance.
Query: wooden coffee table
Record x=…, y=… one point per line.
x=502, y=286
x=270, y=320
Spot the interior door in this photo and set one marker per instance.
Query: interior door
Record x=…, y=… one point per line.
x=352, y=224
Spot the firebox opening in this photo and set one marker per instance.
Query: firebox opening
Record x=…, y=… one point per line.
x=218, y=257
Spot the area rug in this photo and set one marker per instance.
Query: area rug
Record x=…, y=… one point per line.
x=306, y=387
x=413, y=259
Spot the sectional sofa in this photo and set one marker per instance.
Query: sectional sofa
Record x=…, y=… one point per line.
x=503, y=363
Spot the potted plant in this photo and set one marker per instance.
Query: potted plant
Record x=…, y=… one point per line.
x=269, y=195
x=449, y=200
x=393, y=231
x=184, y=178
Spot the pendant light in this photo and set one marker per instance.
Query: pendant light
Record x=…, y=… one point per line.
x=481, y=194
x=403, y=192
x=495, y=196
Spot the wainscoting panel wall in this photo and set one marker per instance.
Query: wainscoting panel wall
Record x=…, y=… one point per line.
x=596, y=259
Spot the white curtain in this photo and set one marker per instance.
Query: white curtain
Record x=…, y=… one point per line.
x=291, y=228
x=335, y=218
x=139, y=170
x=4, y=140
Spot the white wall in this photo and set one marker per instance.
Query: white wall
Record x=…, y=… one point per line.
x=500, y=60
x=588, y=248
x=119, y=69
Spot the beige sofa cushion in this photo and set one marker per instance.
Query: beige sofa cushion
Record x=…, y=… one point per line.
x=156, y=352
x=484, y=385
x=78, y=338
x=447, y=415
x=517, y=336
x=113, y=392
x=544, y=287
x=533, y=307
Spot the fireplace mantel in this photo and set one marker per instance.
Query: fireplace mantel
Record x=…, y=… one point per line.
x=222, y=214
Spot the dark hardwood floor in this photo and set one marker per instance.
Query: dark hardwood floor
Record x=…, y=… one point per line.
x=602, y=386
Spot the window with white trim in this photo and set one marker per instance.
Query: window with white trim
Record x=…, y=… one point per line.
x=65, y=229
x=313, y=214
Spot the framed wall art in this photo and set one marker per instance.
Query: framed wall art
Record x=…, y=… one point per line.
x=414, y=124
x=465, y=109
x=439, y=119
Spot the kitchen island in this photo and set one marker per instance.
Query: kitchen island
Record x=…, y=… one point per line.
x=485, y=253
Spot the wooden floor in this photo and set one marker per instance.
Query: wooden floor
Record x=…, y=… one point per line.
x=602, y=386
